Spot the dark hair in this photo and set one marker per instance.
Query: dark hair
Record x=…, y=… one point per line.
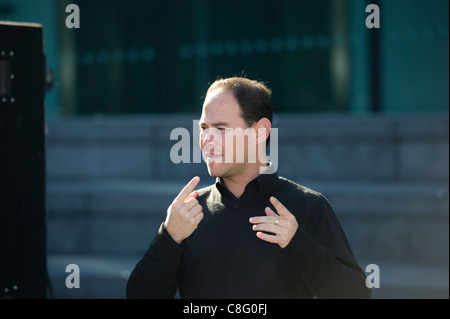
x=253, y=97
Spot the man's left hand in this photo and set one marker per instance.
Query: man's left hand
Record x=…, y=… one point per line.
x=283, y=225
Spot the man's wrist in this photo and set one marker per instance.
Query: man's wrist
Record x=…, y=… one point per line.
x=175, y=239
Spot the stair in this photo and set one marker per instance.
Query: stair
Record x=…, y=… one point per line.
x=104, y=226
x=104, y=277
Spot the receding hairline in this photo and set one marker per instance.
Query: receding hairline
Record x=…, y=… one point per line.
x=234, y=82
x=213, y=93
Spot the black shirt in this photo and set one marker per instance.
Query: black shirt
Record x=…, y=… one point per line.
x=223, y=258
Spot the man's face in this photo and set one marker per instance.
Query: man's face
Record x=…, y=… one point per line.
x=221, y=111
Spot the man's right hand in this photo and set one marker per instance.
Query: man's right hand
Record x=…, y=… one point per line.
x=185, y=213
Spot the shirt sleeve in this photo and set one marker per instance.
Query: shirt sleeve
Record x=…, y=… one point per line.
x=323, y=257
x=155, y=275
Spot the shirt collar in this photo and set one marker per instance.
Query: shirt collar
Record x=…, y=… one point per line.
x=261, y=184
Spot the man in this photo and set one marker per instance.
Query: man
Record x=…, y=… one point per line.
x=252, y=234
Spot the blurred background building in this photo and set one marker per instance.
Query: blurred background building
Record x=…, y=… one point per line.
x=362, y=116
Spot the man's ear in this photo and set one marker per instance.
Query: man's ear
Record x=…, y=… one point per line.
x=262, y=128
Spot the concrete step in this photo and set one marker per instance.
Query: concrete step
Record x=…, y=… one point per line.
x=397, y=222
x=100, y=276
x=106, y=277
x=411, y=281
x=106, y=217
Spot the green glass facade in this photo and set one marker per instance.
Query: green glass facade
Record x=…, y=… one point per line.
x=159, y=56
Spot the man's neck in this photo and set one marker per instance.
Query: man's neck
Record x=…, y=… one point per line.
x=237, y=184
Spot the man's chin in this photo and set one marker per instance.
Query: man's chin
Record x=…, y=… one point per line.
x=215, y=169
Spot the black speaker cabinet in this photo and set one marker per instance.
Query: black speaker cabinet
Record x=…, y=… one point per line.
x=22, y=162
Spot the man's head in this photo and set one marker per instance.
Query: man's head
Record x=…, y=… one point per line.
x=253, y=97
x=240, y=105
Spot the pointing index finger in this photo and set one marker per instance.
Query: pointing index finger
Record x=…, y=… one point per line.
x=187, y=190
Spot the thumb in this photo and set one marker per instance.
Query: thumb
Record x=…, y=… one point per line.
x=191, y=195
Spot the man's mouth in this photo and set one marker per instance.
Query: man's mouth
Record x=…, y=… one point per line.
x=211, y=155
x=213, y=158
